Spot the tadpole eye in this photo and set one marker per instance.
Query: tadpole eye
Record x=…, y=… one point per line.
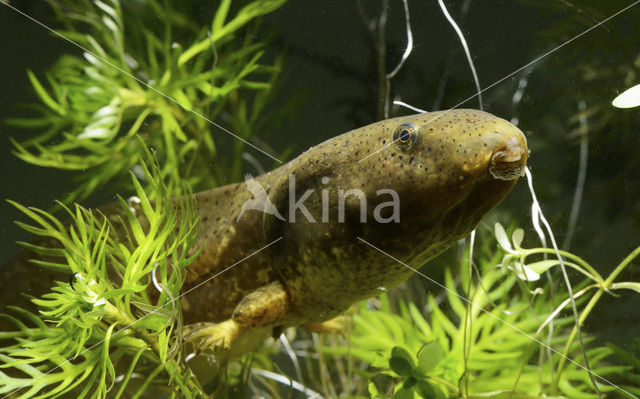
x=405, y=136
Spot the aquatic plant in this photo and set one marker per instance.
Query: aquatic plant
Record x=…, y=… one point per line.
x=487, y=336
x=137, y=86
x=164, y=82
x=103, y=319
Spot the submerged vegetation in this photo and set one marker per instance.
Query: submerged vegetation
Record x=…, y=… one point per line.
x=101, y=327
x=498, y=333
x=502, y=327
x=162, y=82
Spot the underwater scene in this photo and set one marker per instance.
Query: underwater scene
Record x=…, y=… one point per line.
x=320, y=199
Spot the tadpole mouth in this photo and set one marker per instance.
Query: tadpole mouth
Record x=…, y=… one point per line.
x=509, y=163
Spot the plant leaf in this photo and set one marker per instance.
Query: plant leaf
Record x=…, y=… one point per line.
x=404, y=393
x=428, y=358
x=401, y=362
x=517, y=237
x=44, y=95
x=543, y=265
x=501, y=236
x=428, y=390
x=628, y=99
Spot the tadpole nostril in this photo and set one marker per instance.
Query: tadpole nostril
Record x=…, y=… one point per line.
x=509, y=163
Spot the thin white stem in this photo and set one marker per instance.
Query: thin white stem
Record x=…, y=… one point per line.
x=284, y=380
x=574, y=308
x=466, y=51
x=411, y=107
x=582, y=175
x=407, y=50
x=292, y=356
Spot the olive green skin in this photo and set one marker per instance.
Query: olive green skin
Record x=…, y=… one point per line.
x=446, y=182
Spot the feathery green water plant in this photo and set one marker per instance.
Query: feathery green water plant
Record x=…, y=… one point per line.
x=593, y=283
x=488, y=347
x=102, y=329
x=163, y=80
x=159, y=86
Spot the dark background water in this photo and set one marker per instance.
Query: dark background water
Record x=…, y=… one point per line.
x=330, y=85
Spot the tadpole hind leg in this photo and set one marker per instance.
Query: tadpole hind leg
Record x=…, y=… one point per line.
x=214, y=336
x=337, y=325
x=266, y=306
